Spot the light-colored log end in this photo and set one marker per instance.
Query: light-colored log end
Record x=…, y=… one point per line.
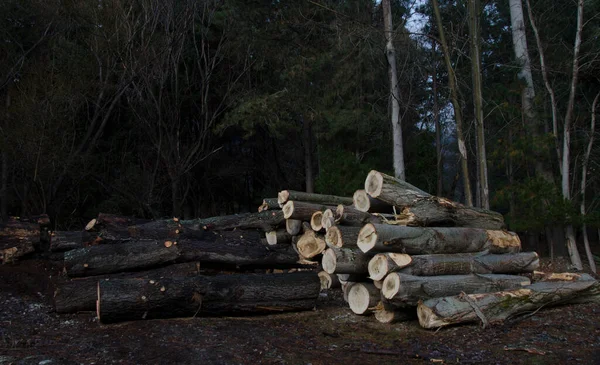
x=367, y=237
x=329, y=261
x=288, y=209
x=90, y=225
x=333, y=237
x=378, y=267
x=374, y=183
x=282, y=197
x=391, y=285
x=363, y=298
x=328, y=281
x=271, y=237
x=327, y=219
x=361, y=200
x=316, y=221
x=427, y=318
x=293, y=226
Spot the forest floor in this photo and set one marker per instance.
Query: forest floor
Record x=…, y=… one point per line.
x=31, y=333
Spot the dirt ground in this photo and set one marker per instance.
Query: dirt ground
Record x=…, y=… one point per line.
x=31, y=333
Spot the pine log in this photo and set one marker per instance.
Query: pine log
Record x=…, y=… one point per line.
x=316, y=221
x=419, y=208
x=382, y=264
x=61, y=241
x=348, y=215
x=327, y=220
x=345, y=261
x=366, y=203
x=287, y=195
x=329, y=281
x=430, y=240
x=18, y=239
x=279, y=236
x=269, y=204
x=302, y=210
x=135, y=299
x=407, y=290
x=364, y=298
x=217, y=247
x=310, y=244
x=454, y=264
x=293, y=226
x=498, y=306
x=342, y=236
x=80, y=295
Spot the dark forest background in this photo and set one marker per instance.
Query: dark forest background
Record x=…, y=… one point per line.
x=185, y=108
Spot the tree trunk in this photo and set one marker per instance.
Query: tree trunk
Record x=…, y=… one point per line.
x=285, y=196
x=302, y=210
x=430, y=240
x=224, y=247
x=364, y=298
x=365, y=203
x=65, y=240
x=134, y=299
x=498, y=306
x=419, y=208
x=80, y=295
x=462, y=148
x=342, y=236
x=474, y=35
x=454, y=264
x=407, y=290
x=399, y=170
x=345, y=261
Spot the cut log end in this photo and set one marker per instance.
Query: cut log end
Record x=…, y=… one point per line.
x=378, y=267
x=310, y=245
x=271, y=237
x=333, y=237
x=328, y=281
x=374, y=183
x=367, y=237
x=327, y=219
x=361, y=200
x=293, y=226
x=288, y=209
x=363, y=298
x=282, y=197
x=90, y=225
x=329, y=261
x=391, y=286
x=316, y=221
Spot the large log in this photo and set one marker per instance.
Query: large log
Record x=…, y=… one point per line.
x=345, y=261
x=61, y=241
x=364, y=298
x=431, y=240
x=366, y=203
x=302, y=210
x=218, y=247
x=418, y=208
x=310, y=244
x=348, y=215
x=135, y=299
x=453, y=264
x=287, y=195
x=80, y=295
x=342, y=236
x=18, y=239
x=498, y=306
x=407, y=290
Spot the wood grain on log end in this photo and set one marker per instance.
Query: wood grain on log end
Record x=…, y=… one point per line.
x=328, y=281
x=364, y=298
x=288, y=209
x=379, y=266
x=282, y=197
x=316, y=221
x=90, y=225
x=361, y=200
x=391, y=286
x=373, y=183
x=367, y=237
x=333, y=237
x=329, y=261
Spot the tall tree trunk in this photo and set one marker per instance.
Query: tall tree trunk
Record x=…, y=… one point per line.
x=474, y=30
x=528, y=92
x=438, y=128
x=566, y=190
x=308, y=167
x=399, y=170
x=464, y=162
x=586, y=159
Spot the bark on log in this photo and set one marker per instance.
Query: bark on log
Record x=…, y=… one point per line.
x=61, y=241
x=269, y=204
x=454, y=264
x=302, y=210
x=345, y=261
x=342, y=236
x=287, y=195
x=218, y=247
x=18, y=239
x=293, y=226
x=279, y=236
x=329, y=281
x=498, y=306
x=310, y=244
x=112, y=224
x=80, y=295
x=364, y=298
x=366, y=203
x=430, y=240
x=316, y=221
x=407, y=290
x=419, y=208
x=384, y=263
x=353, y=278
x=351, y=216
x=135, y=299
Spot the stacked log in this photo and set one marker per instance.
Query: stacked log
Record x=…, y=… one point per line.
x=20, y=237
